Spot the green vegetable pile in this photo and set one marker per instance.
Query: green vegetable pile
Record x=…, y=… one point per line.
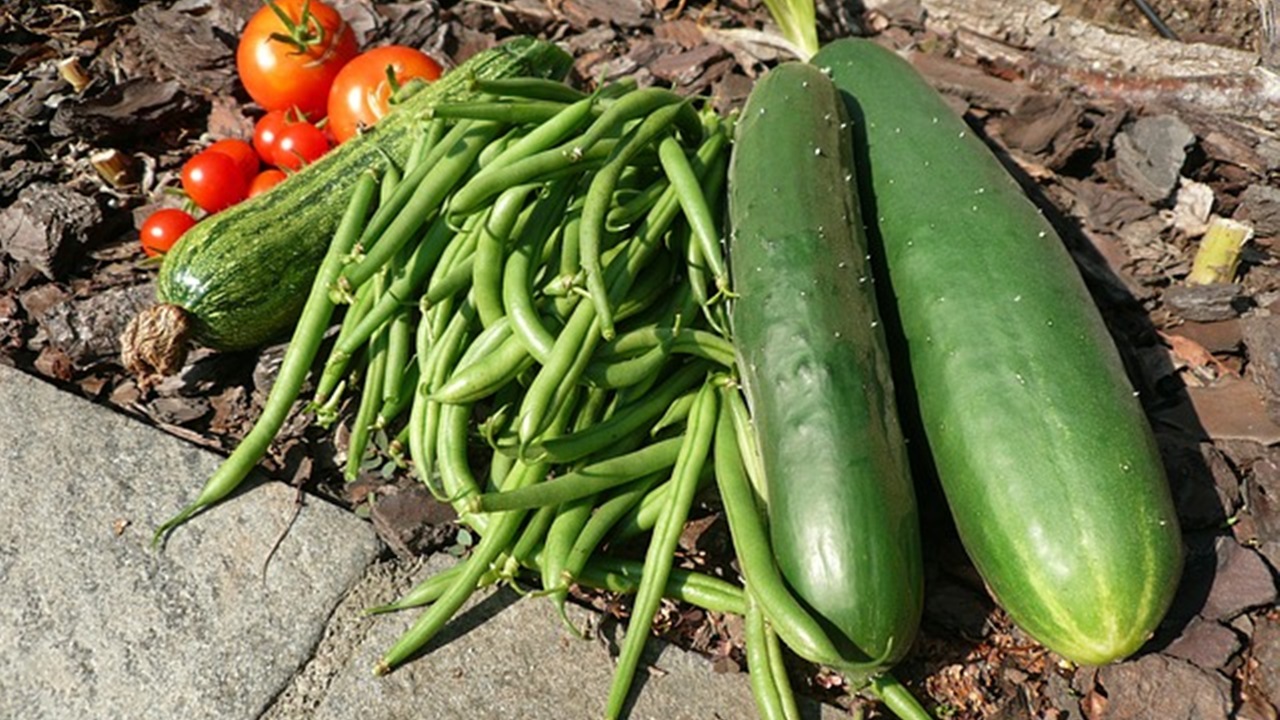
x=535, y=299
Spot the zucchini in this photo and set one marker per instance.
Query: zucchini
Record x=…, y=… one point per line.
x=1042, y=449
x=240, y=277
x=815, y=370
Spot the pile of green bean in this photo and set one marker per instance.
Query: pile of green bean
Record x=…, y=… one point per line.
x=534, y=306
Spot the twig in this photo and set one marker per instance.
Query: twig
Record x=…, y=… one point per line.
x=293, y=517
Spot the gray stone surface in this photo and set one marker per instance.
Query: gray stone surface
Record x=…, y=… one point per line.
x=503, y=657
x=96, y=624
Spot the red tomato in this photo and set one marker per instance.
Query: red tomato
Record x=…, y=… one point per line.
x=291, y=64
x=162, y=229
x=240, y=151
x=361, y=92
x=266, y=134
x=213, y=181
x=300, y=144
x=265, y=180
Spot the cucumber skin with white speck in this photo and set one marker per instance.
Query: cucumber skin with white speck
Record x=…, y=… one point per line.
x=243, y=274
x=814, y=362
x=1044, y=453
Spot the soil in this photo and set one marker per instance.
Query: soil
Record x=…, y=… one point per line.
x=1131, y=170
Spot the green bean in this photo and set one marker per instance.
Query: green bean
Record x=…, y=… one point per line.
x=435, y=133
x=764, y=582
x=301, y=352
x=622, y=215
x=405, y=189
x=426, y=199
x=493, y=542
x=547, y=135
x=530, y=540
x=645, y=515
x=495, y=232
x=399, y=345
x=689, y=190
x=589, y=480
x=517, y=299
x=606, y=516
x=394, y=406
x=576, y=339
x=500, y=467
x=335, y=365
x=538, y=167
x=764, y=685
x=625, y=373
x=427, y=591
x=698, y=589
x=648, y=289
x=637, y=104
x=439, y=363
x=524, y=112
x=687, y=341
x=456, y=477
x=676, y=413
x=748, y=449
x=370, y=398
x=662, y=546
x=569, y=265
x=569, y=519
x=417, y=152
x=390, y=179
x=481, y=379
x=897, y=698
x=568, y=523
x=529, y=88
x=405, y=284
x=598, y=198
x=778, y=667
x=628, y=420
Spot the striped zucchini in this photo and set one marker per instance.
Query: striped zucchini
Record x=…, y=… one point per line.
x=1044, y=453
x=240, y=276
x=812, y=356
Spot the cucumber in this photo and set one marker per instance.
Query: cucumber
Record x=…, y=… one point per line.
x=1045, y=456
x=813, y=361
x=240, y=276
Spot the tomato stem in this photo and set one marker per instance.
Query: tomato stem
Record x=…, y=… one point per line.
x=303, y=33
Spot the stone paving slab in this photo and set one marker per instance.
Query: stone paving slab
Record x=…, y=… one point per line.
x=503, y=657
x=96, y=624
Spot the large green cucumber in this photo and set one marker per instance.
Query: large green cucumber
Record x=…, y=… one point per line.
x=812, y=355
x=243, y=274
x=1042, y=449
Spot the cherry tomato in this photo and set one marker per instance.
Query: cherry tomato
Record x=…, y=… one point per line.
x=242, y=152
x=300, y=144
x=289, y=53
x=266, y=134
x=361, y=92
x=265, y=180
x=162, y=229
x=213, y=181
